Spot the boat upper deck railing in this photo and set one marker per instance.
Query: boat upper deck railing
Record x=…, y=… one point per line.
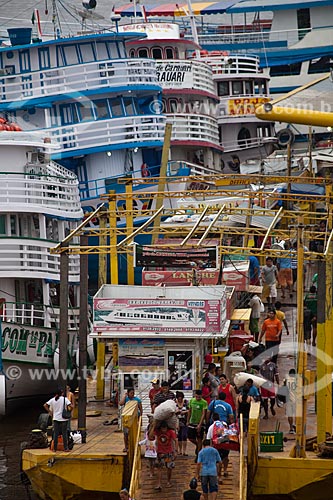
x=37, y=190
x=243, y=144
x=194, y=127
x=128, y=130
x=31, y=314
x=94, y=188
x=31, y=258
x=235, y=64
x=108, y=74
x=286, y=38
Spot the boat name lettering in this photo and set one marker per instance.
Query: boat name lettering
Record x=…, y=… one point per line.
x=195, y=303
x=16, y=340
x=153, y=302
x=174, y=67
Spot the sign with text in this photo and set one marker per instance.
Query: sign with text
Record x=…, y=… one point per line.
x=175, y=74
x=181, y=278
x=200, y=257
x=245, y=105
x=159, y=315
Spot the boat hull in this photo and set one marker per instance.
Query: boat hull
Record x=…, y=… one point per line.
x=28, y=365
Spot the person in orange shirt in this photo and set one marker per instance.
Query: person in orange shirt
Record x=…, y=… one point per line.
x=272, y=329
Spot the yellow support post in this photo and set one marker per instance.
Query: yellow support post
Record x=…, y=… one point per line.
x=129, y=230
x=113, y=239
x=253, y=440
x=328, y=317
x=102, y=264
x=102, y=258
x=100, y=364
x=161, y=183
x=298, y=451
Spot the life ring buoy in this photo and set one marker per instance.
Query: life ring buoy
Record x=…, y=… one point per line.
x=285, y=137
x=144, y=170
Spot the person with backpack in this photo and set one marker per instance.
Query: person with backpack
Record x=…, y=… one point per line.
x=224, y=454
x=222, y=408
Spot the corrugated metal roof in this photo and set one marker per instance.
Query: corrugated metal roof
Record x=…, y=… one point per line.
x=272, y=5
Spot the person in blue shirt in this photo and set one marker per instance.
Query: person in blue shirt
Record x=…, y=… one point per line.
x=208, y=459
x=127, y=397
x=252, y=389
x=223, y=409
x=254, y=271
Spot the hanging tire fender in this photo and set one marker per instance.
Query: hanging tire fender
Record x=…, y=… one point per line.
x=285, y=137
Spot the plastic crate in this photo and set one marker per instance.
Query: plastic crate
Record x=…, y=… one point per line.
x=271, y=441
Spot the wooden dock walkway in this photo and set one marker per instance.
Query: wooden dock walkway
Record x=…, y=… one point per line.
x=181, y=476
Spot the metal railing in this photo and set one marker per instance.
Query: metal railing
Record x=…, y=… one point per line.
x=27, y=257
x=108, y=74
x=136, y=465
x=125, y=130
x=40, y=190
x=194, y=127
x=239, y=64
x=26, y=313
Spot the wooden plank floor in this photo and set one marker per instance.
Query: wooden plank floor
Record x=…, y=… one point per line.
x=181, y=476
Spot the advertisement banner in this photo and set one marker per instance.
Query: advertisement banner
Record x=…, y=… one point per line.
x=158, y=315
x=237, y=276
x=245, y=105
x=181, y=278
x=143, y=354
x=199, y=257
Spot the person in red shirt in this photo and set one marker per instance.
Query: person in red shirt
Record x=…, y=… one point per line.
x=272, y=329
x=166, y=441
x=206, y=389
x=156, y=388
x=228, y=389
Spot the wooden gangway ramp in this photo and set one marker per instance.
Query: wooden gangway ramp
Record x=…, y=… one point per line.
x=181, y=476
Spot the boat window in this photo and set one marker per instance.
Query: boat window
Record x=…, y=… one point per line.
x=13, y=225
x=129, y=108
x=102, y=110
x=249, y=87
x=150, y=316
x=168, y=317
x=157, y=53
x=71, y=54
x=223, y=88
x=116, y=107
x=44, y=58
x=169, y=53
x=61, y=58
x=156, y=317
x=2, y=224
x=143, y=52
x=122, y=314
x=87, y=52
x=136, y=315
x=303, y=22
x=25, y=61
x=132, y=53
x=321, y=65
x=172, y=106
x=85, y=111
x=101, y=51
x=54, y=116
x=286, y=69
x=237, y=88
x=244, y=137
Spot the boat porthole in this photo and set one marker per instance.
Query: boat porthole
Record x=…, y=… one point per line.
x=285, y=137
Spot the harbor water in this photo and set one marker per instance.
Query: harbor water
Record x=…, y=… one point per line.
x=15, y=429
